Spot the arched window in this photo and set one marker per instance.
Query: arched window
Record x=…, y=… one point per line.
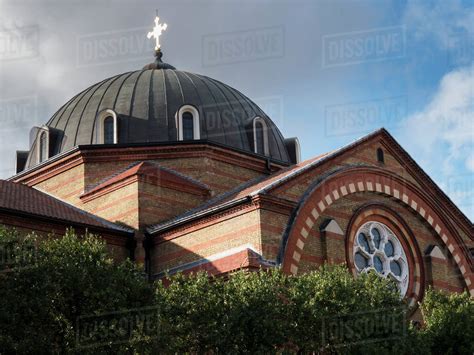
x=380, y=156
x=260, y=136
x=43, y=146
x=107, y=127
x=109, y=130
x=188, y=126
x=187, y=123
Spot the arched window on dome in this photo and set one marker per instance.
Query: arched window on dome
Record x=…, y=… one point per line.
x=260, y=136
x=43, y=150
x=188, y=125
x=187, y=122
x=107, y=130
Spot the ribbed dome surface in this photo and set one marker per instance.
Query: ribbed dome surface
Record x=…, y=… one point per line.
x=146, y=102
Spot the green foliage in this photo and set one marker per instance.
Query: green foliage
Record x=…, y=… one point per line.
x=449, y=319
x=268, y=312
x=68, y=277
x=335, y=311
x=67, y=296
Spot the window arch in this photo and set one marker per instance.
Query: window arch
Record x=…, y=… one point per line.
x=107, y=130
x=260, y=136
x=187, y=123
x=297, y=151
x=43, y=149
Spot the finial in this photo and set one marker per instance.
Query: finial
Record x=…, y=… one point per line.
x=157, y=31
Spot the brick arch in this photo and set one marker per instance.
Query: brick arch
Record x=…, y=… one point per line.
x=374, y=180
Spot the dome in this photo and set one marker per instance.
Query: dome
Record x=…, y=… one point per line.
x=146, y=103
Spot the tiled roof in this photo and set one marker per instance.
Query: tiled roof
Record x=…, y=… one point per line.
x=15, y=197
x=257, y=186
x=248, y=189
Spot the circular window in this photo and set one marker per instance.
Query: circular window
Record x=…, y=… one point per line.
x=377, y=248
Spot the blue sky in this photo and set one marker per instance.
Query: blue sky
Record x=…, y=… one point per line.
x=325, y=71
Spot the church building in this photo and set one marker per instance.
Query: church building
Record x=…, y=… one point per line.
x=181, y=172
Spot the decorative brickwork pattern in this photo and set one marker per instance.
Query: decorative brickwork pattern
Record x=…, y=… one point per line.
x=378, y=181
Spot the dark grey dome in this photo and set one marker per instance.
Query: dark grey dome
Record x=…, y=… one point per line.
x=146, y=102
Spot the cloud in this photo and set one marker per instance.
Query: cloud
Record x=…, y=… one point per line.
x=441, y=136
x=447, y=122
x=439, y=20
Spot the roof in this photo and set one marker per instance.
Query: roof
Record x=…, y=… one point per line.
x=21, y=199
x=166, y=177
x=239, y=194
x=146, y=102
x=263, y=184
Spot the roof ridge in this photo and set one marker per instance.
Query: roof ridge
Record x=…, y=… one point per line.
x=317, y=160
x=209, y=203
x=181, y=175
x=109, y=177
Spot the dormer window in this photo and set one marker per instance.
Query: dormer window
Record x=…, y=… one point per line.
x=107, y=132
x=43, y=149
x=260, y=136
x=187, y=122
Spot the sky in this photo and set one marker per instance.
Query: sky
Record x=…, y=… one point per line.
x=327, y=72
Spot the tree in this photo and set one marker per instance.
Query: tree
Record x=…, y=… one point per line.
x=266, y=312
x=449, y=322
x=66, y=295
x=70, y=282
x=333, y=311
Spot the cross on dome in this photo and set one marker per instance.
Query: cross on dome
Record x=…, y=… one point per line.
x=157, y=31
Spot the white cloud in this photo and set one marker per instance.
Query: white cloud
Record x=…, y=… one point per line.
x=441, y=136
x=447, y=122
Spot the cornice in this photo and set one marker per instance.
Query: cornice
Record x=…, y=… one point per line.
x=274, y=204
x=98, y=154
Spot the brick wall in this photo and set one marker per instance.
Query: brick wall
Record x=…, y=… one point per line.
x=158, y=204
x=205, y=240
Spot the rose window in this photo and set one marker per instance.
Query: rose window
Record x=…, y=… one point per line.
x=377, y=248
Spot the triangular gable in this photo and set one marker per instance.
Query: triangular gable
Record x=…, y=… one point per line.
x=267, y=184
